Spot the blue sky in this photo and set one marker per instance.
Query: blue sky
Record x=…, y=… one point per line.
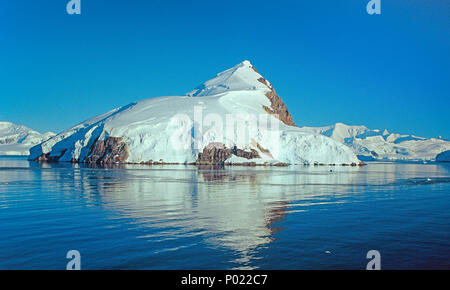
x=329, y=60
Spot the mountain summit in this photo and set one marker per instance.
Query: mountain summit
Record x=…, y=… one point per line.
x=234, y=118
x=241, y=77
x=244, y=77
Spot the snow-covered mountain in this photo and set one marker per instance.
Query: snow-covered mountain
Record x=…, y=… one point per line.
x=18, y=139
x=195, y=128
x=371, y=144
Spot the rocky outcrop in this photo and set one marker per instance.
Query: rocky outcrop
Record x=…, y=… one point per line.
x=261, y=149
x=252, y=154
x=45, y=157
x=214, y=153
x=218, y=153
x=277, y=106
x=111, y=150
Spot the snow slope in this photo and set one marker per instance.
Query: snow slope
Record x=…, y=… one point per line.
x=371, y=144
x=443, y=156
x=242, y=77
x=18, y=139
x=175, y=129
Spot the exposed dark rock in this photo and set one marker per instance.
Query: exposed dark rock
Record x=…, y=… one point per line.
x=218, y=153
x=111, y=150
x=281, y=164
x=45, y=157
x=251, y=164
x=245, y=154
x=263, y=150
x=214, y=153
x=277, y=106
x=254, y=69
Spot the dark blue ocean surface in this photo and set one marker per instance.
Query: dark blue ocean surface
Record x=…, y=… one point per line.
x=184, y=217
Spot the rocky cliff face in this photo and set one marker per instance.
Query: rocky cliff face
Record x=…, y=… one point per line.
x=45, y=157
x=218, y=153
x=278, y=108
x=111, y=150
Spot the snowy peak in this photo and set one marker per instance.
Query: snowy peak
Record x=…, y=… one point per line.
x=244, y=78
x=339, y=131
x=241, y=77
x=17, y=139
x=342, y=131
x=11, y=133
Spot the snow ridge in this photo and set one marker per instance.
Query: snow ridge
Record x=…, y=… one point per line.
x=373, y=144
x=443, y=157
x=241, y=77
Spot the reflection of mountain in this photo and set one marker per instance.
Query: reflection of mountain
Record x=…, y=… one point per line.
x=236, y=208
x=223, y=204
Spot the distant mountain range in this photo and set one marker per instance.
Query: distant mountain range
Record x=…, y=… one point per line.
x=370, y=144
x=18, y=139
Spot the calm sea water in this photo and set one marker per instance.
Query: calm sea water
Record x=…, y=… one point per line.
x=183, y=217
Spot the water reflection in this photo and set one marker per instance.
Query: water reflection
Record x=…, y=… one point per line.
x=237, y=209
